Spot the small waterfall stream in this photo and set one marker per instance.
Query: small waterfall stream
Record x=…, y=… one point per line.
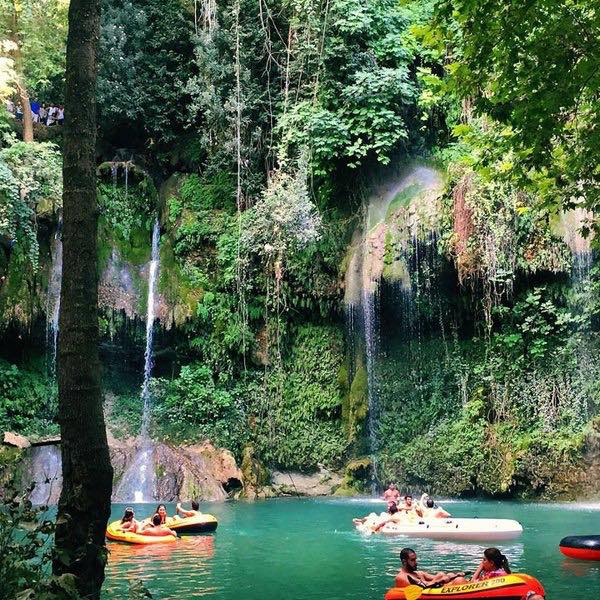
x=138, y=481
x=46, y=474
x=53, y=303
x=366, y=269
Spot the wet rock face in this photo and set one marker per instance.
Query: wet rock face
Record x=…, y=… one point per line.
x=322, y=483
x=198, y=472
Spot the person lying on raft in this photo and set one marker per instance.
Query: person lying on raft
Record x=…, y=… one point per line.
x=410, y=575
x=156, y=528
x=185, y=514
x=161, y=511
x=373, y=519
x=394, y=516
x=128, y=522
x=494, y=564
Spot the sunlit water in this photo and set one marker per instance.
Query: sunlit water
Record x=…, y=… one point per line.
x=307, y=549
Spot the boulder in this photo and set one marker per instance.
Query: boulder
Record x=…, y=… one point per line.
x=15, y=440
x=322, y=483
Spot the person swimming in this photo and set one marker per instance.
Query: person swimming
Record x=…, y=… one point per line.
x=128, y=522
x=156, y=528
x=494, y=564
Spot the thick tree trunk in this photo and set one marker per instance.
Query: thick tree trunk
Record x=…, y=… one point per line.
x=84, y=506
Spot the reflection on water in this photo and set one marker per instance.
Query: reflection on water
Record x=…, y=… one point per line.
x=172, y=562
x=307, y=549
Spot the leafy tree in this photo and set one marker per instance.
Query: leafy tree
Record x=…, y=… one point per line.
x=144, y=62
x=30, y=184
x=32, y=37
x=534, y=67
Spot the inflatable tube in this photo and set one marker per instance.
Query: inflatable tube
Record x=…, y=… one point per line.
x=203, y=523
x=509, y=587
x=116, y=535
x=455, y=529
x=583, y=547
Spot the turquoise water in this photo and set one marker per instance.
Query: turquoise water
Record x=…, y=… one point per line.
x=307, y=549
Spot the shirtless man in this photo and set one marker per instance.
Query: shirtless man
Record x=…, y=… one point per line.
x=391, y=494
x=155, y=528
x=188, y=513
x=410, y=575
x=430, y=511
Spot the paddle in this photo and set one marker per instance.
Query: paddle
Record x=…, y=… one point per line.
x=412, y=592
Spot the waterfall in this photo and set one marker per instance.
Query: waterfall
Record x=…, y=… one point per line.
x=138, y=481
x=46, y=474
x=53, y=302
x=570, y=227
x=413, y=195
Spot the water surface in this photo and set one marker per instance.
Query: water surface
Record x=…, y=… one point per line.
x=307, y=549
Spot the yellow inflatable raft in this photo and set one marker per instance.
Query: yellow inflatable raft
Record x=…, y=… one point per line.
x=202, y=523
x=116, y=535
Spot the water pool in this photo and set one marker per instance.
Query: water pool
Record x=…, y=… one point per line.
x=307, y=549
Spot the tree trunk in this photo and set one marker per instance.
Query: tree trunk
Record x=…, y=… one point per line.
x=20, y=83
x=27, y=114
x=84, y=506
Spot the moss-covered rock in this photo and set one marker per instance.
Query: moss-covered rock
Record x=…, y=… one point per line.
x=358, y=475
x=355, y=409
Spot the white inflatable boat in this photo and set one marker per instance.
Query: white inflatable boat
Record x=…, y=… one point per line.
x=454, y=529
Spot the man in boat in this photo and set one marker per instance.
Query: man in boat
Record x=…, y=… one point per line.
x=391, y=494
x=410, y=575
x=184, y=514
x=429, y=510
x=155, y=528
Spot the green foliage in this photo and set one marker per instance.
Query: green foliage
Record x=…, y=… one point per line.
x=195, y=406
x=40, y=34
x=144, y=61
x=28, y=401
x=30, y=185
x=25, y=553
x=298, y=411
x=127, y=210
x=536, y=72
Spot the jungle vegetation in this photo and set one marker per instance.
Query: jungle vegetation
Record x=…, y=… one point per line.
x=256, y=131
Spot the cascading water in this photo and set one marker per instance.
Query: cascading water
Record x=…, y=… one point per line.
x=53, y=303
x=46, y=474
x=138, y=481
x=368, y=264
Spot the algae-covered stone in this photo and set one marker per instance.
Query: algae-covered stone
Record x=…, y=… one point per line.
x=355, y=409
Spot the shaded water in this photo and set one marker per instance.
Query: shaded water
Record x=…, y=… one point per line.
x=307, y=549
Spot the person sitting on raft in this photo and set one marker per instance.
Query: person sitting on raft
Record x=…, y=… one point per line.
x=374, y=519
x=494, y=564
x=156, y=528
x=409, y=507
x=410, y=575
x=185, y=514
x=128, y=522
x=161, y=511
x=392, y=494
x=429, y=510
